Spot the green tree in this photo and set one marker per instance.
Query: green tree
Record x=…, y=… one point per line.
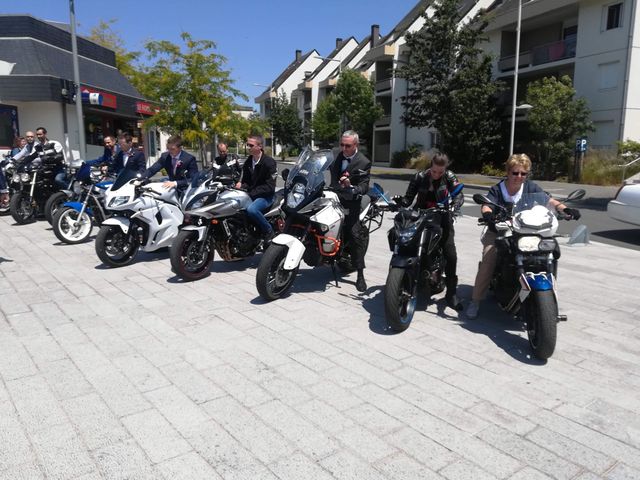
x=195, y=92
x=126, y=61
x=326, y=121
x=287, y=125
x=555, y=121
x=355, y=103
x=450, y=86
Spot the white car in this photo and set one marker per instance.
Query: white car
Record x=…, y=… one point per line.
x=626, y=204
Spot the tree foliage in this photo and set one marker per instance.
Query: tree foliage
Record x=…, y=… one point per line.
x=354, y=100
x=555, y=121
x=450, y=86
x=326, y=121
x=287, y=125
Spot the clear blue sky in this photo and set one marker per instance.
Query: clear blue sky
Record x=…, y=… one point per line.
x=259, y=38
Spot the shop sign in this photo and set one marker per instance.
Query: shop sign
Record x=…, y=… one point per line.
x=146, y=108
x=96, y=97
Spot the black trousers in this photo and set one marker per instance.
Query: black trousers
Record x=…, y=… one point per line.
x=355, y=235
x=449, y=250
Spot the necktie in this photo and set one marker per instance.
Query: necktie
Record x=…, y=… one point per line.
x=345, y=163
x=174, y=163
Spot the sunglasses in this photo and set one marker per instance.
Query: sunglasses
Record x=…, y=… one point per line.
x=519, y=174
x=347, y=144
x=250, y=145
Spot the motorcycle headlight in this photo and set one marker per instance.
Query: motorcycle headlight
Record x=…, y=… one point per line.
x=548, y=245
x=117, y=201
x=295, y=196
x=77, y=188
x=405, y=235
x=15, y=178
x=528, y=244
x=25, y=177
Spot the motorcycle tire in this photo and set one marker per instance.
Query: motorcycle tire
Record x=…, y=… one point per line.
x=541, y=313
x=114, y=247
x=53, y=203
x=272, y=280
x=21, y=208
x=400, y=299
x=70, y=227
x=186, y=260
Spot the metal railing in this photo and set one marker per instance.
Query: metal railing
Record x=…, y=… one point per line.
x=627, y=165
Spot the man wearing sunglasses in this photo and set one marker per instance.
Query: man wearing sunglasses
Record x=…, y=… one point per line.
x=351, y=173
x=507, y=191
x=258, y=178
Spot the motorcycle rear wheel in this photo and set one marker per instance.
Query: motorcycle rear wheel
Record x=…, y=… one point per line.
x=541, y=313
x=186, y=260
x=53, y=204
x=272, y=280
x=400, y=299
x=114, y=247
x=69, y=227
x=21, y=208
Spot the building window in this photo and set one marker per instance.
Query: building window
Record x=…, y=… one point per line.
x=608, y=74
x=614, y=16
x=8, y=125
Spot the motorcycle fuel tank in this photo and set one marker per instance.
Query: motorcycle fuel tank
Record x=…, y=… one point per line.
x=230, y=202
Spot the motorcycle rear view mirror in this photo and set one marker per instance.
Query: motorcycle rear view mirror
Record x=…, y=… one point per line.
x=481, y=199
x=576, y=195
x=285, y=174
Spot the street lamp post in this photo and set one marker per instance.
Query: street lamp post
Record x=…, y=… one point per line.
x=76, y=79
x=515, y=79
x=271, y=92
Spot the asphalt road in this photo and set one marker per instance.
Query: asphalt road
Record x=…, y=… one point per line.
x=593, y=207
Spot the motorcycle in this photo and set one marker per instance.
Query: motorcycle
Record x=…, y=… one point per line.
x=73, y=221
x=313, y=225
x=71, y=193
x=8, y=167
x=33, y=183
x=144, y=216
x=417, y=265
x=216, y=220
x=524, y=280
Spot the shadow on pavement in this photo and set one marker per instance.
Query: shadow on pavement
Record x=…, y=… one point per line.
x=142, y=257
x=630, y=235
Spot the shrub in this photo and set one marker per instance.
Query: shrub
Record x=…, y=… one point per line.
x=602, y=167
x=491, y=170
x=400, y=159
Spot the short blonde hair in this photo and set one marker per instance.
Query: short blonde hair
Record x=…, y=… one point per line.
x=518, y=160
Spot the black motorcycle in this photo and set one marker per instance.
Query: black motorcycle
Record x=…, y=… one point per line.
x=8, y=167
x=417, y=265
x=34, y=182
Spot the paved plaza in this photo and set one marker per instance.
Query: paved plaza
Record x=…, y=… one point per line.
x=131, y=374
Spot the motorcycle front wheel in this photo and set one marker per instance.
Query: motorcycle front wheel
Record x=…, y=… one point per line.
x=70, y=227
x=399, y=298
x=53, y=204
x=190, y=259
x=541, y=313
x=272, y=280
x=114, y=247
x=21, y=208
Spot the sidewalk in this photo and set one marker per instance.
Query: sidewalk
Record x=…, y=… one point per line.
x=130, y=373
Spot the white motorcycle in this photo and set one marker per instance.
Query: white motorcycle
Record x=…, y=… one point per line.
x=145, y=216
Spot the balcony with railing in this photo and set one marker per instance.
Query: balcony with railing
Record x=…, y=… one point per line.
x=540, y=55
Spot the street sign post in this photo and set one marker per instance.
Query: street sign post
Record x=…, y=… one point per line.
x=580, y=150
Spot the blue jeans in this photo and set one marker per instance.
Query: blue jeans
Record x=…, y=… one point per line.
x=254, y=211
x=61, y=180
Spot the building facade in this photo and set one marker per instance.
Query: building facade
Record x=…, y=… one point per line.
x=37, y=89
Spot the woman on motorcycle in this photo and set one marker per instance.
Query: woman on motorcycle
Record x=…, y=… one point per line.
x=507, y=191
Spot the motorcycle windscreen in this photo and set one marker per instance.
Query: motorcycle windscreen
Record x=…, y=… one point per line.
x=533, y=213
x=123, y=178
x=309, y=174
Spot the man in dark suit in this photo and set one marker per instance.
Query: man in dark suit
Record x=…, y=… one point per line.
x=128, y=158
x=351, y=173
x=258, y=178
x=180, y=165
x=227, y=164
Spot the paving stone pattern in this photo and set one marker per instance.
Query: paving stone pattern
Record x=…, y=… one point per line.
x=131, y=374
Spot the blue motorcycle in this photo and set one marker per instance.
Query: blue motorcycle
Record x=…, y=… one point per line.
x=73, y=221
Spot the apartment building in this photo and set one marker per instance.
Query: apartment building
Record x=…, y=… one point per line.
x=287, y=82
x=594, y=42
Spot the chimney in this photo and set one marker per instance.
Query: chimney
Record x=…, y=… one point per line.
x=307, y=74
x=338, y=42
x=298, y=54
x=375, y=35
